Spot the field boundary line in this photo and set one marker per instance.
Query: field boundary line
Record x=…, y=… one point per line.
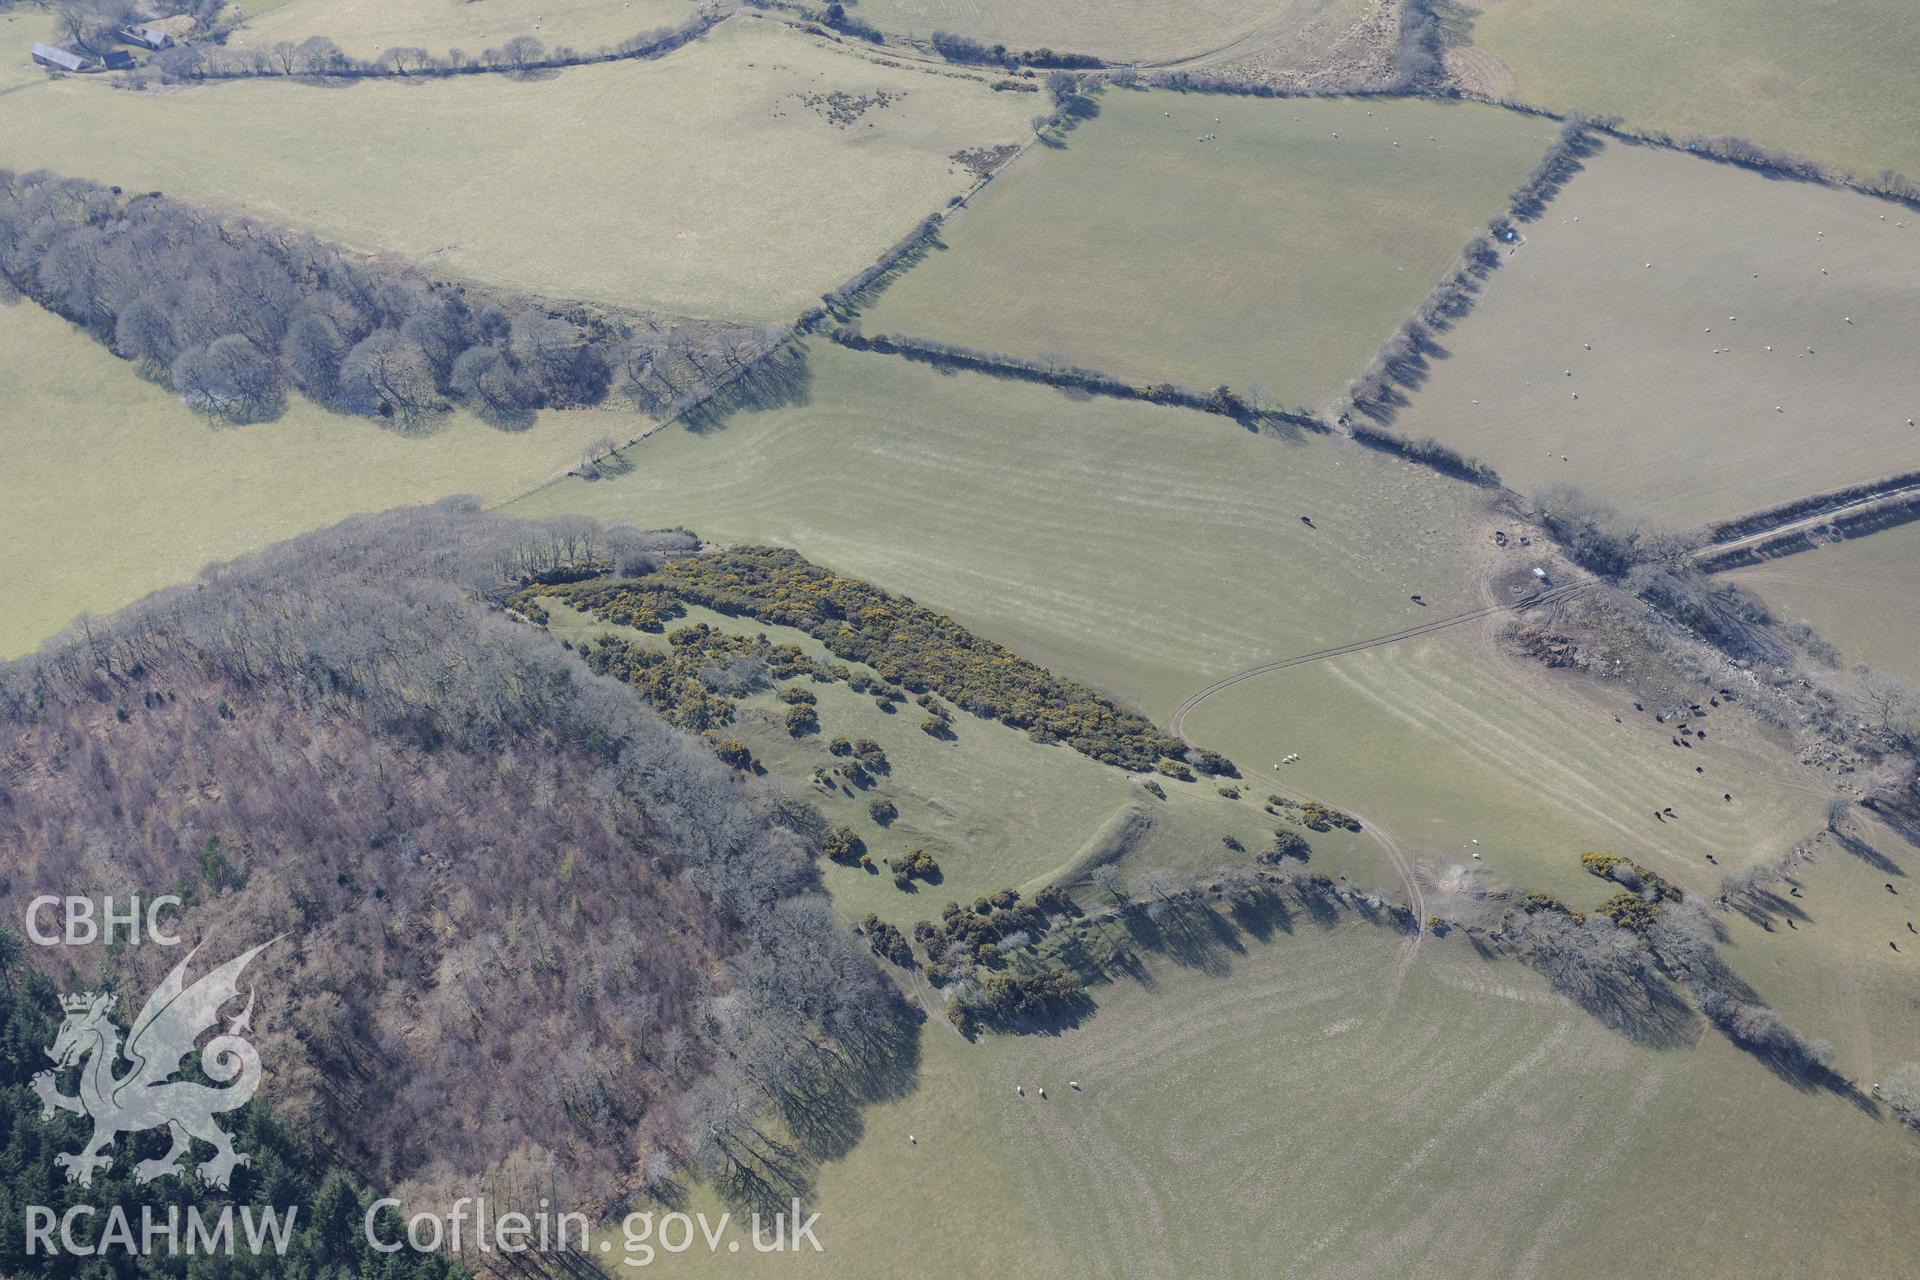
x=347, y=68
x=1402, y=864
x=1881, y=505
x=1177, y=724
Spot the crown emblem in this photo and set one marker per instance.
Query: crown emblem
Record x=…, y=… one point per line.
x=77, y=1003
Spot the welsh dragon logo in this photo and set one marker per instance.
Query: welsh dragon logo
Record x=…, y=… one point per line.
x=147, y=1096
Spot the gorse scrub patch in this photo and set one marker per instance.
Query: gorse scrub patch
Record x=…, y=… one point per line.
x=693, y=682
x=1638, y=903
x=903, y=642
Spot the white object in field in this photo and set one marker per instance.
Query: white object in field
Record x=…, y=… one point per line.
x=1043, y=1091
x=1020, y=1089
x=1540, y=573
x=915, y=1141
x=1476, y=853
x=1073, y=1084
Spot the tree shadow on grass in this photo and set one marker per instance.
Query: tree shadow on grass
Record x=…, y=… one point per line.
x=783, y=379
x=1074, y=111
x=1189, y=932
x=1900, y=816
x=1207, y=929
x=1860, y=849
x=1763, y=906
x=1737, y=1012
x=768, y=1166
x=851, y=309
x=824, y=1117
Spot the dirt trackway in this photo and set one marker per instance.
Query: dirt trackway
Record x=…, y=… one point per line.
x=1178, y=724
x=1416, y=900
x=1811, y=520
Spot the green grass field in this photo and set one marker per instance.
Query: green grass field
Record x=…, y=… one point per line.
x=1280, y=252
x=1149, y=551
x=1144, y=550
x=1122, y=30
x=1753, y=269
x=1833, y=80
x=1831, y=972
x=1861, y=595
x=112, y=488
x=699, y=184
x=1444, y=742
x=993, y=807
x=1296, y=1115
x=1293, y=1094
x=365, y=28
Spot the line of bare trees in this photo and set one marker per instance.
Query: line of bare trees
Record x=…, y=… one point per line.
x=967, y=50
x=1251, y=409
x=1633, y=984
x=320, y=56
x=1887, y=184
x=1754, y=521
x=1855, y=523
x=233, y=314
x=1401, y=363
x=1428, y=451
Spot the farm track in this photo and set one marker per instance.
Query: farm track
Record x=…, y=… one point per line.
x=1177, y=725
x=1402, y=864
x=1241, y=47
x=1811, y=520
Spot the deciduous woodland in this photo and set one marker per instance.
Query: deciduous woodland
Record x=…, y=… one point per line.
x=1103, y=650
x=527, y=925
x=234, y=315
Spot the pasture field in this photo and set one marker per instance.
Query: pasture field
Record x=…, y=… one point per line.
x=1698, y=341
x=1444, y=741
x=711, y=182
x=1280, y=251
x=1143, y=550
x=1862, y=595
x=993, y=807
x=112, y=488
x=19, y=28
x=1832, y=80
x=1289, y=1112
x=1148, y=551
x=1141, y=31
x=365, y=28
x=1831, y=972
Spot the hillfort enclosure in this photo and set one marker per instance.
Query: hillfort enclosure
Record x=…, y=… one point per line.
x=945, y=637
